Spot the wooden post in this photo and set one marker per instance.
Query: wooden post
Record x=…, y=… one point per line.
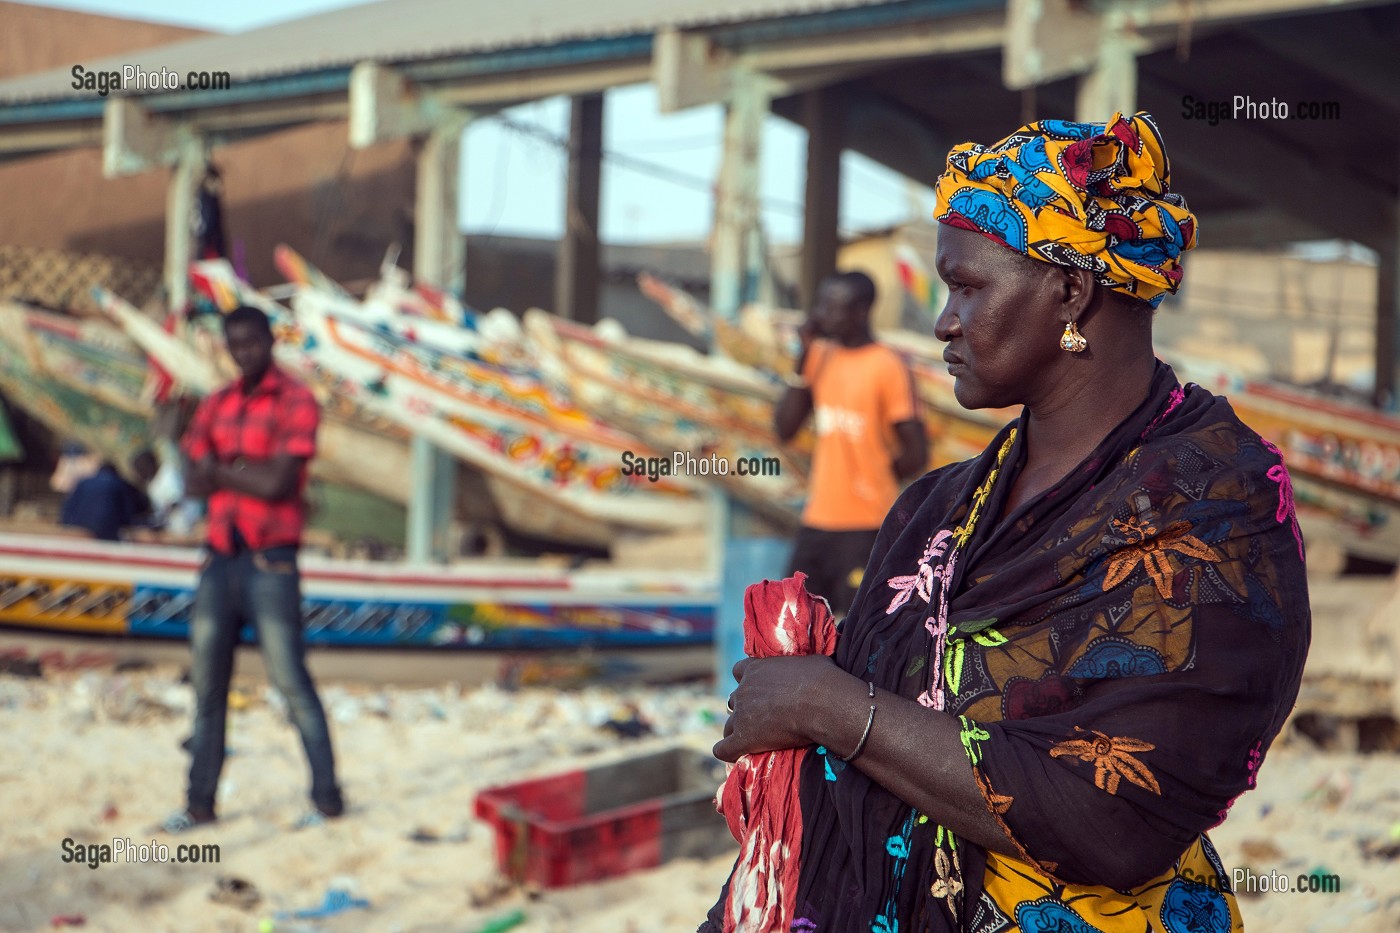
x=1387, y=315
x=736, y=260
x=179, y=213
x=439, y=258
x=824, y=112
x=576, y=273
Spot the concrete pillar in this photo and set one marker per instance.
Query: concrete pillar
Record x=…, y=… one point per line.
x=179, y=216
x=824, y=112
x=439, y=259
x=736, y=256
x=1111, y=87
x=576, y=274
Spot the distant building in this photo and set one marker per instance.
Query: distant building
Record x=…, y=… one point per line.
x=304, y=186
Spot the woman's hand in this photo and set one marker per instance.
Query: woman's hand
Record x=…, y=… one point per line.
x=776, y=703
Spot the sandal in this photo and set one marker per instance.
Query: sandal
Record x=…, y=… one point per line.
x=182, y=821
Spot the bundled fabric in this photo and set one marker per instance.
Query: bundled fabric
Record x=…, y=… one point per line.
x=759, y=795
x=1120, y=651
x=1086, y=195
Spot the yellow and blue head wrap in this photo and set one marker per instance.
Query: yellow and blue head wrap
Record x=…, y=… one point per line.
x=1090, y=196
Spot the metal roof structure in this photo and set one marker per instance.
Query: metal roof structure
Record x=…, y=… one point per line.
x=898, y=80
x=402, y=31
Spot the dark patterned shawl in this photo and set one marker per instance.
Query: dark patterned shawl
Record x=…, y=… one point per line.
x=1121, y=652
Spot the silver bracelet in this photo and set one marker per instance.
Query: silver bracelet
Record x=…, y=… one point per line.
x=860, y=746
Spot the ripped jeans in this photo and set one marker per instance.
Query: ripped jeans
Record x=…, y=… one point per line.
x=264, y=588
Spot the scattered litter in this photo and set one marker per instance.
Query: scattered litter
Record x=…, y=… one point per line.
x=338, y=900
x=109, y=813
x=239, y=699
x=1261, y=851
x=1332, y=791
x=1374, y=849
x=490, y=892
x=21, y=667
x=633, y=726
x=427, y=835
x=235, y=892
x=68, y=920
x=130, y=665
x=502, y=923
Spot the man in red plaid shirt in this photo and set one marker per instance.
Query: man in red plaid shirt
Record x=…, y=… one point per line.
x=247, y=451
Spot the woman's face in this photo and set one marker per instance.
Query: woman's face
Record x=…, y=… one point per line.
x=1001, y=322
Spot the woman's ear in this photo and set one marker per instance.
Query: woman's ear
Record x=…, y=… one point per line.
x=1077, y=291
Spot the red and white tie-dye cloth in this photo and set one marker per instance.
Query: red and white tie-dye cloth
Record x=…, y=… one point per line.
x=759, y=796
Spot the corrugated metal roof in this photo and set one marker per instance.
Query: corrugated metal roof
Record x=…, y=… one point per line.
x=394, y=31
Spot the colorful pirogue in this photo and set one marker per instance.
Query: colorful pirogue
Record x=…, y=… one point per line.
x=546, y=412
x=76, y=585
x=1330, y=446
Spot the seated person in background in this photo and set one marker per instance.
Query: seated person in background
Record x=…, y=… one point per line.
x=171, y=510
x=103, y=504
x=74, y=465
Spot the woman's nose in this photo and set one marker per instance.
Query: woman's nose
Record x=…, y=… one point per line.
x=947, y=326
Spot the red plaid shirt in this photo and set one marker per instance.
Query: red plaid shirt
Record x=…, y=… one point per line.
x=279, y=417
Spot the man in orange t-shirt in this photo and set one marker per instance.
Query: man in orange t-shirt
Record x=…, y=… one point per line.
x=869, y=436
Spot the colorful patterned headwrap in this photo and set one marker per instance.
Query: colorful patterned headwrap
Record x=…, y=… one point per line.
x=1086, y=195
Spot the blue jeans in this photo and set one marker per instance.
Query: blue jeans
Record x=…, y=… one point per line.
x=263, y=587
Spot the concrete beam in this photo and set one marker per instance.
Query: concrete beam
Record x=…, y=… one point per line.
x=20, y=141
x=384, y=105
x=134, y=140
x=689, y=69
x=485, y=93
x=1051, y=39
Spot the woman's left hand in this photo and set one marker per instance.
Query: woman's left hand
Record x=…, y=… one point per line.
x=775, y=704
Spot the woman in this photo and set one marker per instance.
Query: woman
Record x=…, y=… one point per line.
x=1070, y=654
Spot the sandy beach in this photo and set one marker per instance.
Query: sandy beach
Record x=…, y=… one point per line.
x=95, y=755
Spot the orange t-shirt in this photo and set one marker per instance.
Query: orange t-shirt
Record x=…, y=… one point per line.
x=858, y=396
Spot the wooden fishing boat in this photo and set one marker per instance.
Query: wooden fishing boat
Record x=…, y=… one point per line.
x=1340, y=455
x=553, y=472
x=114, y=431
x=705, y=409
x=91, y=356
x=510, y=427
x=1340, y=446
x=66, y=584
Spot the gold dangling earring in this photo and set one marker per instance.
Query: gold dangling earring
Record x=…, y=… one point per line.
x=1072, y=340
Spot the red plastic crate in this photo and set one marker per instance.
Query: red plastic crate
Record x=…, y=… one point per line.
x=607, y=821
